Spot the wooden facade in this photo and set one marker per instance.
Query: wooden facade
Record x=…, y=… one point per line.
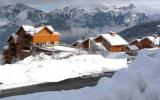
x=150, y=42
x=27, y=40
x=46, y=36
x=10, y=50
x=147, y=43
x=109, y=47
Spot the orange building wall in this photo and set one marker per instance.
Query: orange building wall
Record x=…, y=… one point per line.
x=118, y=48
x=46, y=36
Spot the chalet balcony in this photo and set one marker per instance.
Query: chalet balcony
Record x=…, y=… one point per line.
x=44, y=44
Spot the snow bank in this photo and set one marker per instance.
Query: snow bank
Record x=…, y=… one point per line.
x=139, y=82
x=116, y=55
x=43, y=68
x=64, y=49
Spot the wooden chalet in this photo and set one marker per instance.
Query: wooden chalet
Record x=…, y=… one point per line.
x=112, y=42
x=28, y=37
x=150, y=42
x=10, y=50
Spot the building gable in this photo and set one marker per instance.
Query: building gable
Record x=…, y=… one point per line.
x=21, y=31
x=147, y=43
x=10, y=38
x=45, y=31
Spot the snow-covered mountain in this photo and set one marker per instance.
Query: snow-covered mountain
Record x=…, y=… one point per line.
x=100, y=16
x=70, y=20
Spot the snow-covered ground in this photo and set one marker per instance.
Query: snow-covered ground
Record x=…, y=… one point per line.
x=139, y=82
x=116, y=55
x=64, y=49
x=43, y=68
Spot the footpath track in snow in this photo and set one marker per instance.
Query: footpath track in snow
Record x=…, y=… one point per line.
x=68, y=84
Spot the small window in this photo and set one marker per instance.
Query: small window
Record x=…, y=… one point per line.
x=52, y=42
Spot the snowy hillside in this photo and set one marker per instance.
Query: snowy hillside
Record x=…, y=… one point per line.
x=139, y=82
x=32, y=70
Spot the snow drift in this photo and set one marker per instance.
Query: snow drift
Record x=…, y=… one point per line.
x=139, y=82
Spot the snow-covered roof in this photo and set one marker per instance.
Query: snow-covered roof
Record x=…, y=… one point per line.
x=78, y=41
x=138, y=40
x=33, y=30
x=153, y=39
x=27, y=27
x=133, y=47
x=15, y=37
x=114, y=39
x=50, y=28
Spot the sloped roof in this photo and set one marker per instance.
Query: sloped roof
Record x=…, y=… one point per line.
x=33, y=30
x=90, y=38
x=50, y=28
x=114, y=39
x=153, y=39
x=136, y=40
x=27, y=27
x=78, y=41
x=15, y=37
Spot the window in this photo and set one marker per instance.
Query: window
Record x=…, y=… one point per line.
x=52, y=42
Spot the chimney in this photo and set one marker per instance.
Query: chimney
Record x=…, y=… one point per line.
x=155, y=36
x=112, y=33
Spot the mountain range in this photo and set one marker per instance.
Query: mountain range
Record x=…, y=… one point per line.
x=72, y=22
